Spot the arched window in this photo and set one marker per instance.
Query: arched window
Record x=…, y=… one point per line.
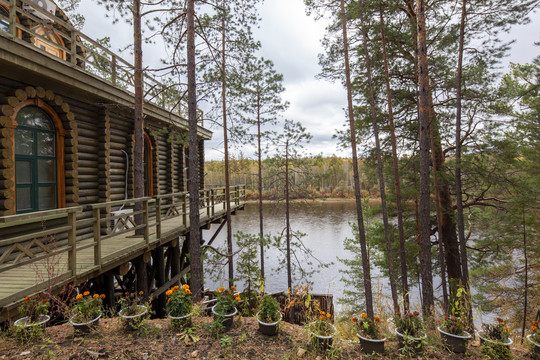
x=36, y=183
x=148, y=167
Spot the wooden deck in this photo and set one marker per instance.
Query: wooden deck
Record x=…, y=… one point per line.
x=30, y=272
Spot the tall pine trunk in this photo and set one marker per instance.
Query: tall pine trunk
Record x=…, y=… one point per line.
x=193, y=188
x=356, y=177
x=423, y=125
x=226, y=154
x=389, y=256
x=259, y=166
x=138, y=132
x=399, y=209
x=459, y=199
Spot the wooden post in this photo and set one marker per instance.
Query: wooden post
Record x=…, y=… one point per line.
x=158, y=219
x=97, y=236
x=159, y=266
x=113, y=70
x=73, y=47
x=213, y=195
x=72, y=242
x=12, y=17
x=146, y=223
x=184, y=210
x=206, y=195
x=142, y=275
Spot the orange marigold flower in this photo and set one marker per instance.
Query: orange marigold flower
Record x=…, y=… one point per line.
x=446, y=319
x=410, y=315
x=322, y=312
x=176, y=288
x=328, y=315
x=26, y=298
x=322, y=317
x=377, y=319
x=168, y=292
x=233, y=288
x=141, y=292
x=398, y=313
x=354, y=319
x=185, y=287
x=86, y=293
x=168, y=300
x=237, y=298
x=95, y=296
x=506, y=329
x=187, y=291
x=535, y=322
x=364, y=315
x=102, y=296
x=416, y=313
x=37, y=297
x=534, y=328
x=126, y=293
x=78, y=297
x=500, y=320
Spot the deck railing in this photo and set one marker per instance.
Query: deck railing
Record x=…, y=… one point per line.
x=22, y=247
x=29, y=23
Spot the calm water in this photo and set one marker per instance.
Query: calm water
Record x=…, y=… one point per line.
x=326, y=225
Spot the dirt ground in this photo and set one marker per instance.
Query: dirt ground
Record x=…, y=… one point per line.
x=243, y=341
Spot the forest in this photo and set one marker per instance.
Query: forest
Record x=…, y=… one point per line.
x=452, y=143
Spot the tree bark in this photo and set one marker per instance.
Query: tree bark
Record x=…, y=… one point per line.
x=399, y=209
x=423, y=124
x=459, y=191
x=259, y=165
x=382, y=190
x=138, y=166
x=287, y=217
x=356, y=177
x=226, y=154
x=193, y=188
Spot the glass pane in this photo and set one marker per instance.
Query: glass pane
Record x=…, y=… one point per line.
x=45, y=144
x=46, y=171
x=4, y=25
x=32, y=116
x=24, y=142
x=47, y=197
x=23, y=172
x=24, y=198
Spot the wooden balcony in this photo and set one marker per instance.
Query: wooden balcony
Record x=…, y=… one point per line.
x=35, y=261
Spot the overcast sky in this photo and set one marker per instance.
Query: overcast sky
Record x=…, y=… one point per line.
x=292, y=41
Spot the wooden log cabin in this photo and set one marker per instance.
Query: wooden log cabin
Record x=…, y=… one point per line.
x=66, y=163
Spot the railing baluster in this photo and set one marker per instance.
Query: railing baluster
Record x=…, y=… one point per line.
x=72, y=243
x=113, y=70
x=12, y=18
x=97, y=236
x=158, y=219
x=74, y=47
x=146, y=222
x=184, y=210
x=213, y=195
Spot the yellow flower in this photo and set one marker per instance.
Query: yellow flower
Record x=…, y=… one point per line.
x=168, y=292
x=506, y=329
x=141, y=292
x=187, y=291
x=354, y=319
x=364, y=315
x=185, y=287
x=328, y=316
x=322, y=312
x=78, y=297
x=237, y=298
x=86, y=293
x=95, y=296
x=176, y=288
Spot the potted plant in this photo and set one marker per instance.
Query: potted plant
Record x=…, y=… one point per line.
x=34, y=312
x=179, y=306
x=452, y=329
x=268, y=316
x=534, y=339
x=86, y=312
x=133, y=310
x=410, y=332
x=497, y=334
x=370, y=333
x=322, y=331
x=34, y=315
x=225, y=307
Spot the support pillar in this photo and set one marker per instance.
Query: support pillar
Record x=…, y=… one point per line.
x=159, y=267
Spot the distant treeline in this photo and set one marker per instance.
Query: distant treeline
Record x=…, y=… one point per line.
x=323, y=176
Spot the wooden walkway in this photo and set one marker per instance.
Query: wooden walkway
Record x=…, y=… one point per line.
x=29, y=266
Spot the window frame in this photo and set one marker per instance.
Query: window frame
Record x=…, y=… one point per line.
x=59, y=137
